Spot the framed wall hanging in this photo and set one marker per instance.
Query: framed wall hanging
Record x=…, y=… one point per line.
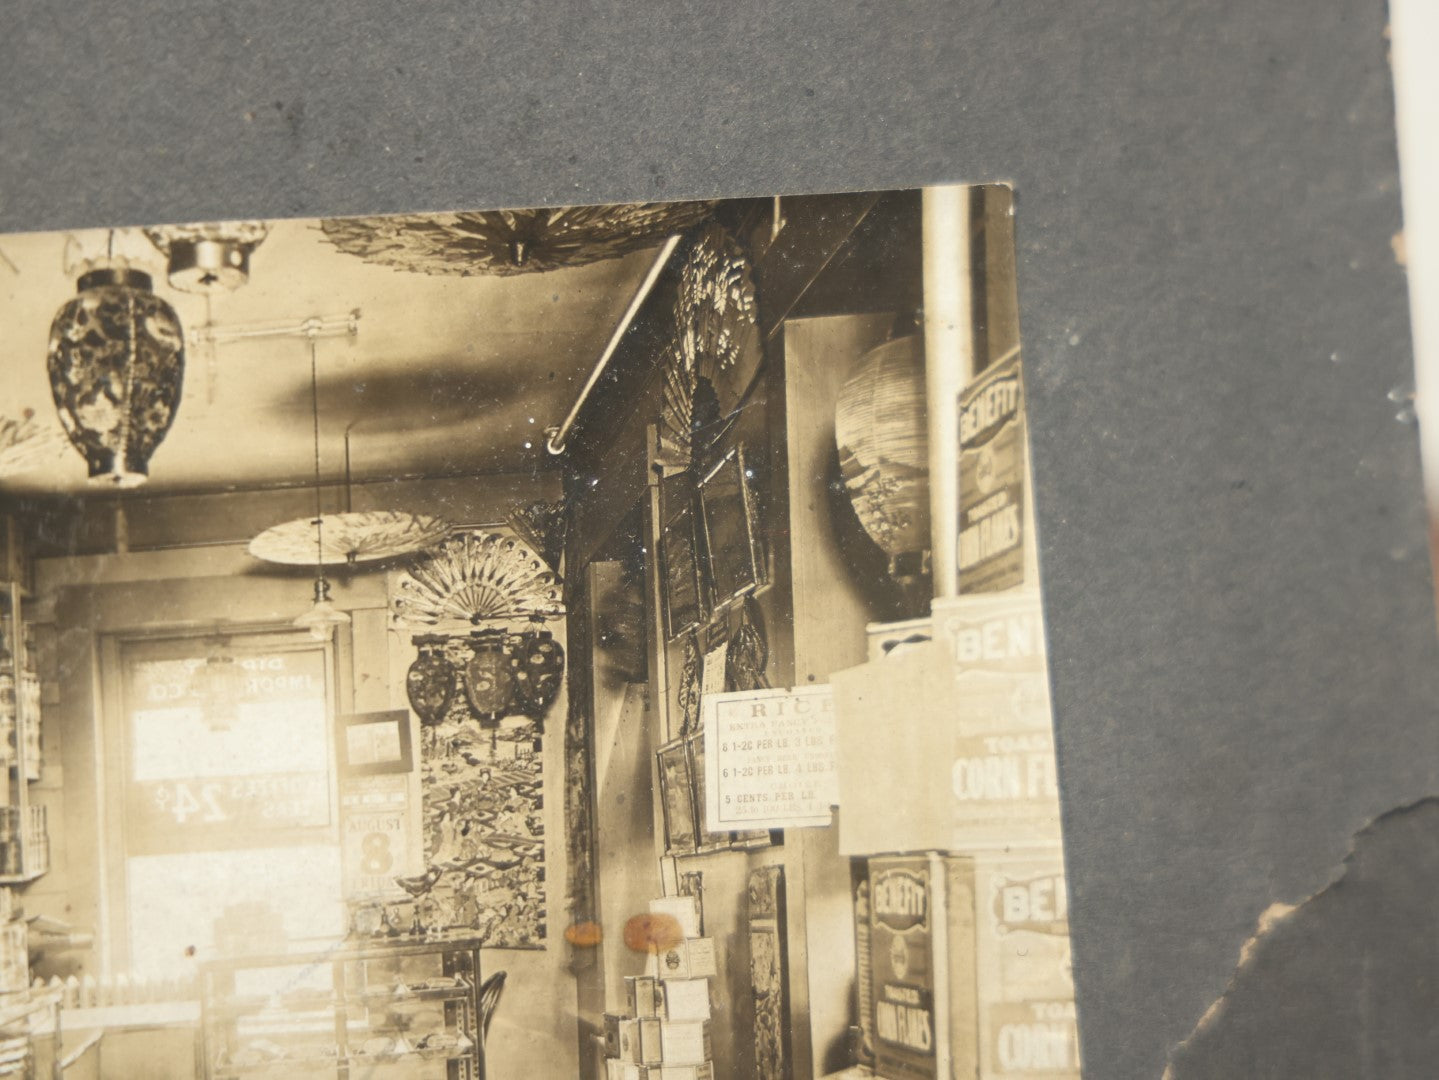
x=733, y=550
x=369, y=744
x=684, y=591
x=705, y=840
x=677, y=798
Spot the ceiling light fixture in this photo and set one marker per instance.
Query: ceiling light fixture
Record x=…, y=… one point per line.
x=323, y=616
x=208, y=257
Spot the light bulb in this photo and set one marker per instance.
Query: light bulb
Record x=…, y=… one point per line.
x=323, y=616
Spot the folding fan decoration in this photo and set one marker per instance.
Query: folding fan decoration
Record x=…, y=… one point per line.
x=25, y=444
x=716, y=349
x=477, y=576
x=508, y=242
x=542, y=526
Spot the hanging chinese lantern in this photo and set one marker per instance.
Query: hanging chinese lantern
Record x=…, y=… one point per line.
x=538, y=664
x=116, y=363
x=881, y=431
x=431, y=680
x=489, y=682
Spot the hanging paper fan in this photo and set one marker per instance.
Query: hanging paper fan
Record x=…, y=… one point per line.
x=508, y=242
x=715, y=350
x=475, y=576
x=542, y=526
x=360, y=536
x=25, y=444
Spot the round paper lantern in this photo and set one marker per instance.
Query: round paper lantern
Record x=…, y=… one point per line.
x=430, y=682
x=880, y=430
x=538, y=664
x=489, y=682
x=116, y=363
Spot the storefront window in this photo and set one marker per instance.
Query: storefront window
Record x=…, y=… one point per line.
x=229, y=789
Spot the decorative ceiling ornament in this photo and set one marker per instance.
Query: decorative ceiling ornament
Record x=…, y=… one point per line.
x=542, y=526
x=208, y=257
x=506, y=242
x=117, y=364
x=358, y=536
x=25, y=443
x=715, y=351
x=476, y=576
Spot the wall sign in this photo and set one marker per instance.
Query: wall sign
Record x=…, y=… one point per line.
x=374, y=835
x=992, y=475
x=770, y=759
x=168, y=815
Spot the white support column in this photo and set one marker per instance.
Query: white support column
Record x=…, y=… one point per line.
x=948, y=365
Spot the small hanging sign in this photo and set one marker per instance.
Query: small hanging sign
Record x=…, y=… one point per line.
x=769, y=759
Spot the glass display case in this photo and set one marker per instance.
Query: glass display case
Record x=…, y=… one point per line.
x=379, y=1007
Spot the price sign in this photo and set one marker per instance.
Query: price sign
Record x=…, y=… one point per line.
x=169, y=814
x=770, y=759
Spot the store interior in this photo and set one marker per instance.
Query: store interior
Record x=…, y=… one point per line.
x=373, y=589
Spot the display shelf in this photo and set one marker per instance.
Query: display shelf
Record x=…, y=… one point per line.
x=292, y=1005
x=300, y=1063
x=24, y=828
x=323, y=1031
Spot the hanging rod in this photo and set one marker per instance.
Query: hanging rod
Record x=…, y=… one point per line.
x=316, y=326
x=555, y=443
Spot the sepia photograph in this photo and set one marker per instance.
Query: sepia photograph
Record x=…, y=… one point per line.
x=421, y=631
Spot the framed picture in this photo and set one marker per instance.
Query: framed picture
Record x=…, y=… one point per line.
x=684, y=595
x=677, y=798
x=368, y=744
x=731, y=532
x=704, y=839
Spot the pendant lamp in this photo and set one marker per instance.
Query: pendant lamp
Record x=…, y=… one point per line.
x=208, y=257
x=116, y=362
x=323, y=616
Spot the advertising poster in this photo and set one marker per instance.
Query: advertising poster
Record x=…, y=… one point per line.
x=992, y=478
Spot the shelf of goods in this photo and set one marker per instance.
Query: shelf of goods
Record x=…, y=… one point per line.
x=24, y=830
x=20, y=1016
x=402, y=1006
x=25, y=1012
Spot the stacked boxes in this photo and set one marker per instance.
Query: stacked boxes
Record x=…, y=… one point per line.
x=970, y=968
x=664, y=1033
x=14, y=952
